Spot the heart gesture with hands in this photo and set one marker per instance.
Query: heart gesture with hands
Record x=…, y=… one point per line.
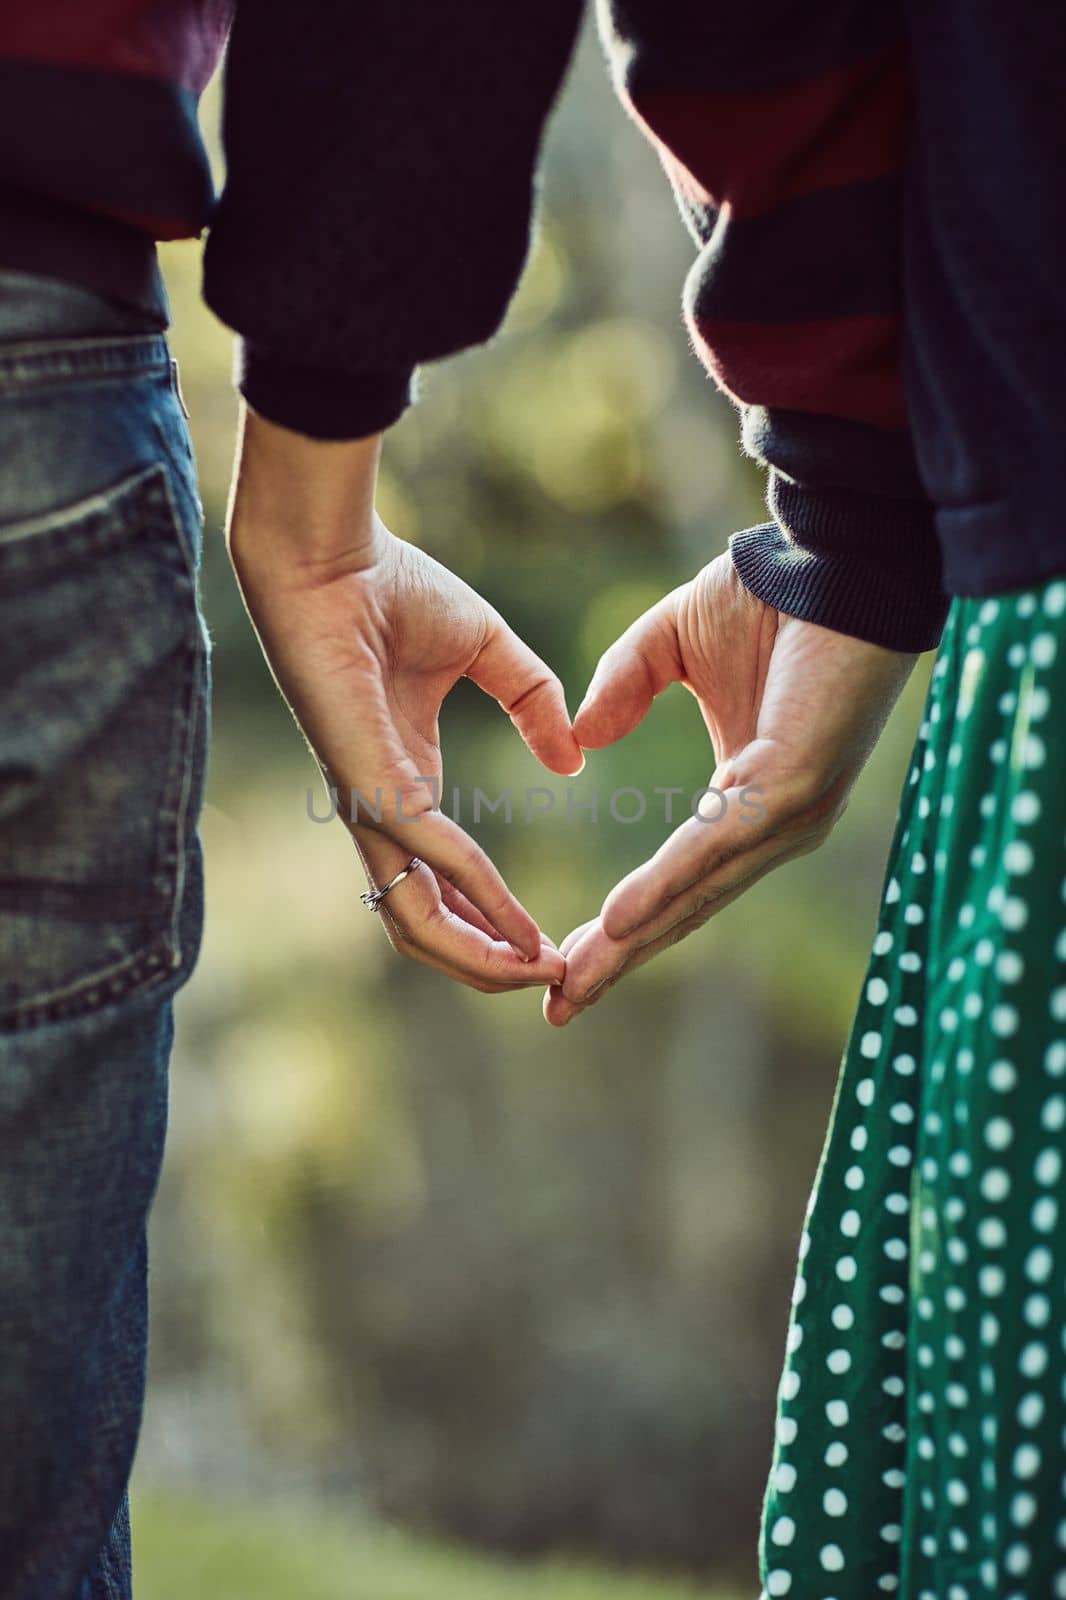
x=366, y=635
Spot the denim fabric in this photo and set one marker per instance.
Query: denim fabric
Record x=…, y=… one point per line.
x=103, y=712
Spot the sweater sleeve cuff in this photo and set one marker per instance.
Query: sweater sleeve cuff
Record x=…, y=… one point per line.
x=321, y=402
x=864, y=565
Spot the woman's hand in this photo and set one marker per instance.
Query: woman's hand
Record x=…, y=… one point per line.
x=365, y=635
x=793, y=711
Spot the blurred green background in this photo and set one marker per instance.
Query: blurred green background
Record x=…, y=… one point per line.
x=440, y=1295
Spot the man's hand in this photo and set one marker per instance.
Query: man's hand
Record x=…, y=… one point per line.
x=793, y=711
x=365, y=635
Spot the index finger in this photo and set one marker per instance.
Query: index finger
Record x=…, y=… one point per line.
x=452, y=853
x=694, y=849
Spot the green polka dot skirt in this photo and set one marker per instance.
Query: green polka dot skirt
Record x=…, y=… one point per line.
x=919, y=1448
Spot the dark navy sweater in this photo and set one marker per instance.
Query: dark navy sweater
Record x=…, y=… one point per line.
x=874, y=188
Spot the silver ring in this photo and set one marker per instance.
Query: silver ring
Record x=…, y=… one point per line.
x=373, y=897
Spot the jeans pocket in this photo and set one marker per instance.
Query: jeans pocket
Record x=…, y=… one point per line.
x=102, y=701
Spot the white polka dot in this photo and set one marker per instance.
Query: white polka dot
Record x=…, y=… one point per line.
x=1025, y=807
x=995, y=1184
x=850, y=1223
x=891, y=1532
x=787, y=1429
x=998, y=1133
x=1026, y=1461
x=1045, y=1214
x=785, y=1478
x=1004, y=1021
x=1038, y=1264
x=836, y=1454
x=1032, y=1362
x=1018, y=857
x=1003, y=1075
x=1031, y=1410
x=1055, y=599
x=882, y=943
x=1042, y=650
x=837, y=1412
x=854, y=1178
x=892, y=1293
x=957, y=1492
x=904, y=1065
x=1037, y=1310
x=1033, y=752
x=1017, y=1560
x=835, y=1502
x=783, y=1531
x=838, y=1361
x=992, y=1280
x=790, y=1385
x=1053, y=1115
x=896, y=1249
x=778, y=1582
x=843, y=1317
x=1048, y=1166
x=1055, y=1059
x=877, y=991
x=859, y=1138
x=831, y=1557
x=1022, y=1510
x=992, y=1233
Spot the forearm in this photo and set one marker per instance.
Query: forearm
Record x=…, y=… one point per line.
x=376, y=214
x=785, y=137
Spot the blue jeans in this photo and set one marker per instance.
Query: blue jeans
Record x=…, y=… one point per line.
x=103, y=712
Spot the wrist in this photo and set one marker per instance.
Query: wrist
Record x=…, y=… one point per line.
x=303, y=503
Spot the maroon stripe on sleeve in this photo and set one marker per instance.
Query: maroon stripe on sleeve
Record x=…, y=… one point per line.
x=845, y=367
x=177, y=40
x=757, y=149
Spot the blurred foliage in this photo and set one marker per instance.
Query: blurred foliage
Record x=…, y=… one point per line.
x=412, y=1249
x=184, y=1547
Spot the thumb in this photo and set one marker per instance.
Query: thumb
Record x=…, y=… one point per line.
x=638, y=666
x=530, y=693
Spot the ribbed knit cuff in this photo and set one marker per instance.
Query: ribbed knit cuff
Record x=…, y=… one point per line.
x=864, y=565
x=322, y=402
